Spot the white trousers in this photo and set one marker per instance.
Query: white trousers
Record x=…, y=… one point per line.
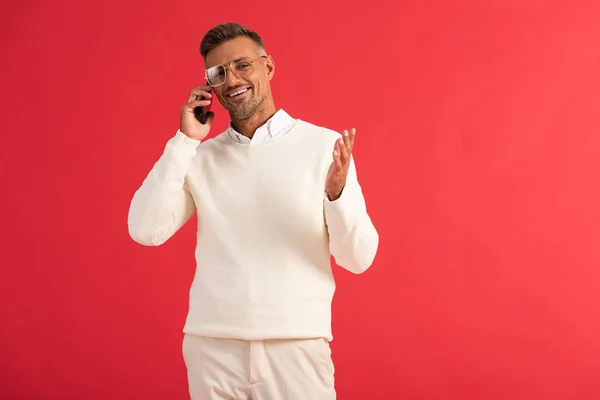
x=220, y=369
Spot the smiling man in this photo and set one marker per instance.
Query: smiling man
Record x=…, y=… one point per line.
x=275, y=197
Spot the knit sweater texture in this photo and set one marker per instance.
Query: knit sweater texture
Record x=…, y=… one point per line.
x=266, y=230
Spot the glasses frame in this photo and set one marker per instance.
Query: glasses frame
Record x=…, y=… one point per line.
x=229, y=65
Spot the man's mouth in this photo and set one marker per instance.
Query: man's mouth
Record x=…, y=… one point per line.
x=237, y=93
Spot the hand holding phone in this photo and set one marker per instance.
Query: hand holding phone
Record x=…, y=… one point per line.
x=201, y=111
x=196, y=117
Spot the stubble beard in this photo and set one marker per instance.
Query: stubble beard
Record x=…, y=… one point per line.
x=246, y=110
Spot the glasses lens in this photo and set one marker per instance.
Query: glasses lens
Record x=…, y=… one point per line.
x=243, y=67
x=216, y=75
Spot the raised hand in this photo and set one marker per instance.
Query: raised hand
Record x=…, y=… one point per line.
x=338, y=170
x=190, y=126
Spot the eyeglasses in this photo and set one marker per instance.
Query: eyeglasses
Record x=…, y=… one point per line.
x=217, y=75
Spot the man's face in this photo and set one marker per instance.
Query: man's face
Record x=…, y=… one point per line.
x=255, y=85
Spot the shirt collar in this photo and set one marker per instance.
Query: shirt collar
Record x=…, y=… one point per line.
x=274, y=125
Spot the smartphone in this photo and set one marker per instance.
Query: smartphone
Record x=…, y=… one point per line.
x=200, y=112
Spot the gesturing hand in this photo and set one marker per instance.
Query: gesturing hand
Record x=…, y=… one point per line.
x=338, y=170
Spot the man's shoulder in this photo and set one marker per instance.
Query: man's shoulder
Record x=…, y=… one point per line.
x=219, y=139
x=211, y=147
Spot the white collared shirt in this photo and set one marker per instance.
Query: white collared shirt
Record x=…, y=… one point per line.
x=278, y=125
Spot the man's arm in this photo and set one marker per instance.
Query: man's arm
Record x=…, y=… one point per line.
x=353, y=240
x=163, y=203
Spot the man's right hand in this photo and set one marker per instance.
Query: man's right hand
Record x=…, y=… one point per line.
x=190, y=126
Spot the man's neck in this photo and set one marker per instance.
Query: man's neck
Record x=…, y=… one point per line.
x=247, y=127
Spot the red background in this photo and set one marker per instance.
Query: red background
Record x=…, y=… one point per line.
x=477, y=146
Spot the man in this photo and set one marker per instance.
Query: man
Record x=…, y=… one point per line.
x=275, y=197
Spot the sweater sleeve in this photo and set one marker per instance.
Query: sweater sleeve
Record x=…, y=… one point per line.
x=353, y=239
x=163, y=203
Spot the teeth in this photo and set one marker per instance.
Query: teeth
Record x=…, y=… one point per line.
x=238, y=92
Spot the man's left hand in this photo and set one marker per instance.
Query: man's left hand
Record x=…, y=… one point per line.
x=338, y=170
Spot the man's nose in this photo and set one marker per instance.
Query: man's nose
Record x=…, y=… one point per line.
x=231, y=76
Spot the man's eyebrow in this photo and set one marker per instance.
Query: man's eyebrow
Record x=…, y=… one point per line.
x=234, y=60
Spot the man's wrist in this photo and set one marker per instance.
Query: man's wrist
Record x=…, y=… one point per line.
x=333, y=196
x=187, y=139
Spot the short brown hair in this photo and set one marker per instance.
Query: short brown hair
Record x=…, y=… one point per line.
x=224, y=32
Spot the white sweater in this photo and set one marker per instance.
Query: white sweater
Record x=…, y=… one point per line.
x=265, y=230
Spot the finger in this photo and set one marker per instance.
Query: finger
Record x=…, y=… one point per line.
x=198, y=93
x=337, y=162
x=194, y=97
x=346, y=137
x=202, y=92
x=341, y=143
x=189, y=107
x=351, y=140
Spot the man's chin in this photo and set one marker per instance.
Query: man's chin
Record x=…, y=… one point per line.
x=242, y=112
x=238, y=115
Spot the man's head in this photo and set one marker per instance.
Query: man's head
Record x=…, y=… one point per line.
x=236, y=61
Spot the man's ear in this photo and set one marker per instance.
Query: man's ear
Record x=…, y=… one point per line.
x=270, y=63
